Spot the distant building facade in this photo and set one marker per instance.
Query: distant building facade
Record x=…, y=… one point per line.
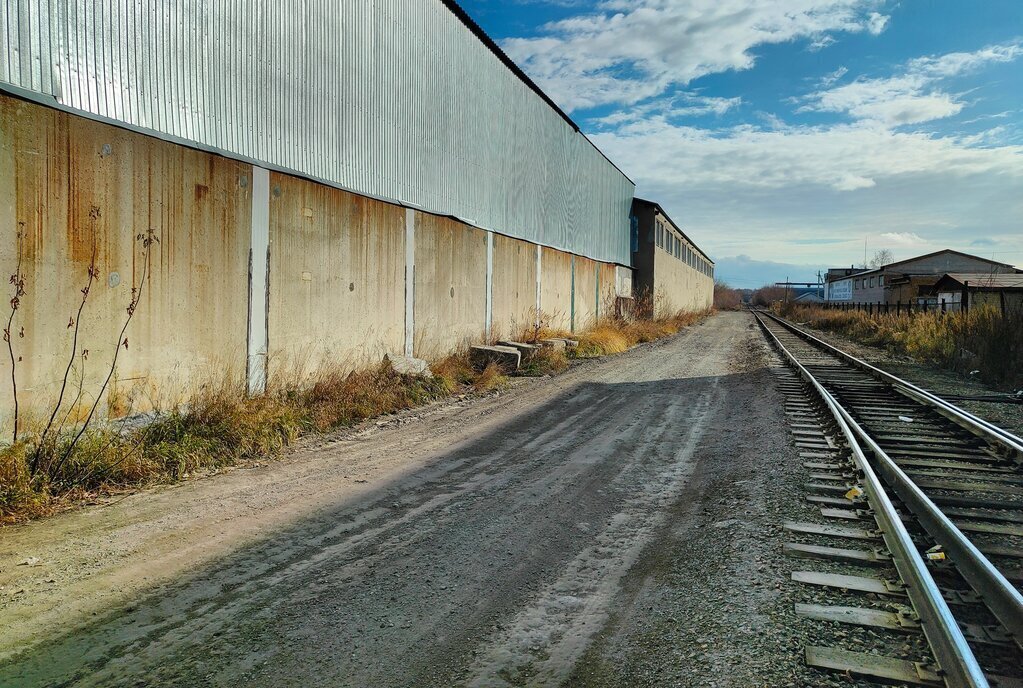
x=961, y=291
x=906, y=281
x=668, y=267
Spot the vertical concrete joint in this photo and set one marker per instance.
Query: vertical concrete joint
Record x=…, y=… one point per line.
x=410, y=280
x=572, y=299
x=259, y=283
x=490, y=286
x=539, y=252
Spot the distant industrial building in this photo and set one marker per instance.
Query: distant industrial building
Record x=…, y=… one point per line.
x=671, y=272
x=327, y=186
x=906, y=281
x=962, y=291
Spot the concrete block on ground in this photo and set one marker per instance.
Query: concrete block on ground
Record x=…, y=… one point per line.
x=407, y=365
x=506, y=357
x=570, y=343
x=526, y=350
x=556, y=344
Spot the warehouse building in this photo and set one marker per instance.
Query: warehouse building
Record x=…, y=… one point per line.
x=964, y=290
x=327, y=185
x=671, y=272
x=906, y=281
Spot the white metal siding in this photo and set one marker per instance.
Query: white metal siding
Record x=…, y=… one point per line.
x=394, y=99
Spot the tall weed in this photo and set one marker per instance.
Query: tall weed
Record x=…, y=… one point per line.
x=982, y=339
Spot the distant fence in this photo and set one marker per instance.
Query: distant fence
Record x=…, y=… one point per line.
x=904, y=308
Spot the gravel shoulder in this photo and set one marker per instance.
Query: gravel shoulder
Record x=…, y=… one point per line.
x=616, y=525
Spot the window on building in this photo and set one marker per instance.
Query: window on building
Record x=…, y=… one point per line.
x=880, y=281
x=871, y=281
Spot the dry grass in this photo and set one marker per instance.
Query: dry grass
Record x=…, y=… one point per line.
x=602, y=340
x=218, y=428
x=221, y=427
x=981, y=340
x=613, y=336
x=546, y=361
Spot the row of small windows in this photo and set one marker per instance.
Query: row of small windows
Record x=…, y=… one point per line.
x=874, y=282
x=667, y=240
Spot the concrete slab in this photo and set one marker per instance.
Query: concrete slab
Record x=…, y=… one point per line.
x=557, y=344
x=407, y=365
x=506, y=357
x=526, y=350
x=570, y=343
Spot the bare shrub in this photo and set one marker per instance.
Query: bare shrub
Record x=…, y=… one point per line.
x=767, y=295
x=726, y=298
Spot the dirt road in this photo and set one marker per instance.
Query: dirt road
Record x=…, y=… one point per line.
x=542, y=537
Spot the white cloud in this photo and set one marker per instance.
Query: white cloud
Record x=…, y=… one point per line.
x=911, y=97
x=843, y=157
x=680, y=105
x=834, y=76
x=953, y=64
x=631, y=50
x=903, y=238
x=876, y=23
x=768, y=191
x=820, y=43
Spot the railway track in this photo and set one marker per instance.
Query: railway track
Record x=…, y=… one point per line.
x=923, y=490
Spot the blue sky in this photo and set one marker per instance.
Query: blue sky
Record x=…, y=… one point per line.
x=787, y=136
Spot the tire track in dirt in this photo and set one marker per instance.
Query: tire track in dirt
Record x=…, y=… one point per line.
x=487, y=532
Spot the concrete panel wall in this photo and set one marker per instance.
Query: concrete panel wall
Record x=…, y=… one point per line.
x=337, y=279
x=608, y=290
x=191, y=320
x=336, y=271
x=514, y=286
x=678, y=287
x=556, y=288
x=450, y=285
x=585, y=293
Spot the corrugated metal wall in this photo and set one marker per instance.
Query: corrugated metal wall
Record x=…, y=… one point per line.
x=395, y=99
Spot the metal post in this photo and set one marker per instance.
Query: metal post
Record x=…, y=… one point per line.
x=898, y=308
x=943, y=305
x=965, y=305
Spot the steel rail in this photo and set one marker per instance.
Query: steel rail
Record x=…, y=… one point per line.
x=955, y=658
x=1000, y=596
x=974, y=424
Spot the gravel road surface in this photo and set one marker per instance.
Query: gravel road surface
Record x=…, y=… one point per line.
x=617, y=526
